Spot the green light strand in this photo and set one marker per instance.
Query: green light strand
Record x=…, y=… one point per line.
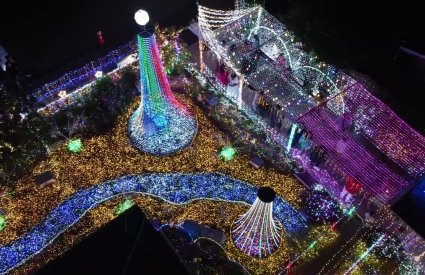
x=124, y=206
x=2, y=223
x=227, y=153
x=75, y=145
x=312, y=245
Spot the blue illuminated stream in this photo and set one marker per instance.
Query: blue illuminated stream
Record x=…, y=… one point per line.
x=175, y=188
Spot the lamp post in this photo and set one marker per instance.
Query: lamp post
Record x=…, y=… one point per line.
x=142, y=18
x=161, y=125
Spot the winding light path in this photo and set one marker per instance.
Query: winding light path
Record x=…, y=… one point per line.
x=175, y=188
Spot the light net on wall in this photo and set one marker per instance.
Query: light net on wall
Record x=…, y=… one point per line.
x=255, y=44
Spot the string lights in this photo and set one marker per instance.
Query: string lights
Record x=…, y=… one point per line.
x=321, y=207
x=355, y=159
x=256, y=232
x=161, y=125
x=74, y=79
x=303, y=85
x=355, y=264
x=75, y=145
x=2, y=223
x=127, y=204
x=308, y=86
x=227, y=153
x=73, y=172
x=379, y=124
x=174, y=188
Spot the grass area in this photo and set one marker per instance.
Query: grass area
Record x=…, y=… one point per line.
x=110, y=156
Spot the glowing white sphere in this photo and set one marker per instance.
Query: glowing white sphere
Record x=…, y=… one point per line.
x=141, y=17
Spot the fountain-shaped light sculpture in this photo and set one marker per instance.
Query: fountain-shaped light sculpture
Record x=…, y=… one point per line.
x=161, y=125
x=257, y=233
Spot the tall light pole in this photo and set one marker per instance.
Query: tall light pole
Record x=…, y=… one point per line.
x=142, y=18
x=161, y=125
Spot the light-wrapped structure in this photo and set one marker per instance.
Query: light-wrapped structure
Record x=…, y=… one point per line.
x=161, y=125
x=257, y=233
x=383, y=152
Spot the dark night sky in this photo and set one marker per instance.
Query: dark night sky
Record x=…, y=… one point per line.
x=46, y=35
x=51, y=24
x=50, y=37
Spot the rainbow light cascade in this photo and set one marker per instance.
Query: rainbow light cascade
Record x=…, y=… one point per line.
x=161, y=125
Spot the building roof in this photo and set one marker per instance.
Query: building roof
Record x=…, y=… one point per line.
x=381, y=143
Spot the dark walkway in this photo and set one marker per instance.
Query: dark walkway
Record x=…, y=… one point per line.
x=346, y=230
x=127, y=245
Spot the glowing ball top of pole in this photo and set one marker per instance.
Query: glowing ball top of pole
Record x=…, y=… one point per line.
x=141, y=17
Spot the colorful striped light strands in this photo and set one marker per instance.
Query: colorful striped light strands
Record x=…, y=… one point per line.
x=257, y=233
x=161, y=125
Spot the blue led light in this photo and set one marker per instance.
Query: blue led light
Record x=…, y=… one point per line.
x=175, y=188
x=76, y=78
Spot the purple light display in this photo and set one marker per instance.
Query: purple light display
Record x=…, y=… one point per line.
x=390, y=134
x=376, y=176
x=76, y=78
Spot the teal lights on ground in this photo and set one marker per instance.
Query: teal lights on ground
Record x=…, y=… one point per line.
x=351, y=212
x=227, y=153
x=312, y=245
x=291, y=137
x=75, y=145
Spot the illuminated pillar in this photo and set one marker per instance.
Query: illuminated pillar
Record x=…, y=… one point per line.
x=291, y=137
x=257, y=233
x=201, y=55
x=241, y=81
x=161, y=125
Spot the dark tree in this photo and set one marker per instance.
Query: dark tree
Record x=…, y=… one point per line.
x=24, y=133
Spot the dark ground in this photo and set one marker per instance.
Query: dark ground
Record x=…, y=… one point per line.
x=127, y=245
x=411, y=208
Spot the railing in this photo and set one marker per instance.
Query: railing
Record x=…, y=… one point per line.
x=76, y=78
